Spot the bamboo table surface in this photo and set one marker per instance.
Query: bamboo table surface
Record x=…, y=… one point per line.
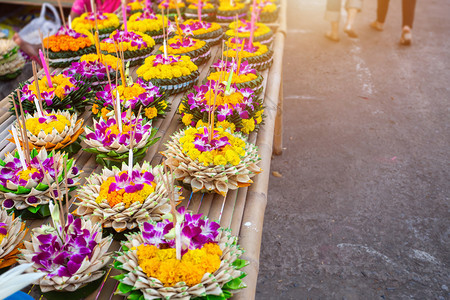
x=241, y=210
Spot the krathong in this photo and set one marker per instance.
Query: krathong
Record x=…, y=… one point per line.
x=11, y=60
x=106, y=23
x=209, y=265
x=67, y=93
x=243, y=77
x=171, y=8
x=27, y=191
x=73, y=257
x=135, y=6
x=258, y=56
x=240, y=107
x=199, y=51
x=227, y=11
x=208, y=11
x=55, y=131
x=212, y=162
x=136, y=46
x=12, y=232
x=111, y=145
x=172, y=75
x=208, y=32
x=269, y=11
x=92, y=68
x=120, y=202
x=67, y=46
x=140, y=95
x=149, y=23
x=262, y=34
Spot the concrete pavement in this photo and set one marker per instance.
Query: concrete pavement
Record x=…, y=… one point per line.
x=362, y=209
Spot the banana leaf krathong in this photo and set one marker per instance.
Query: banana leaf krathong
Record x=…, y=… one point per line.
x=12, y=232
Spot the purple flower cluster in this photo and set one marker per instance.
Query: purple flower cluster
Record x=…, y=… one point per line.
x=249, y=48
x=183, y=43
x=147, y=14
x=123, y=181
x=195, y=232
x=11, y=171
x=88, y=69
x=120, y=36
x=28, y=95
x=3, y=229
x=99, y=16
x=47, y=119
x=202, y=143
x=197, y=100
x=244, y=68
x=70, y=32
x=103, y=131
x=61, y=253
x=160, y=60
x=151, y=93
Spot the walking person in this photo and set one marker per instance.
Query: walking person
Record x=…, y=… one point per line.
x=333, y=15
x=408, y=9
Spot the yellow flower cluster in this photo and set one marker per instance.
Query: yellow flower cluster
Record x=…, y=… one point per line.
x=162, y=71
x=197, y=45
x=232, y=53
x=120, y=196
x=112, y=47
x=26, y=174
x=194, y=264
x=230, y=154
x=35, y=127
x=136, y=5
x=204, y=6
x=2, y=236
x=227, y=5
x=248, y=125
x=151, y=112
x=222, y=99
x=187, y=119
x=109, y=60
x=258, y=116
x=145, y=25
x=58, y=81
x=129, y=92
x=81, y=23
x=261, y=29
x=214, y=27
x=268, y=8
x=235, y=79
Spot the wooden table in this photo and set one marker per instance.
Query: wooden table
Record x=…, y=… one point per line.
x=242, y=210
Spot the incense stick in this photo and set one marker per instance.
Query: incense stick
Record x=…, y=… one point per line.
x=28, y=157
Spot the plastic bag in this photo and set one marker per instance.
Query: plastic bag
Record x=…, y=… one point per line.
x=30, y=33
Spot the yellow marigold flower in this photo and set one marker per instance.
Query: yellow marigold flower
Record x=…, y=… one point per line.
x=187, y=119
x=151, y=112
x=248, y=125
x=181, y=108
x=26, y=174
x=35, y=127
x=95, y=109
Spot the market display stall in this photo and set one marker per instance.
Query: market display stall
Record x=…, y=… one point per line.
x=241, y=210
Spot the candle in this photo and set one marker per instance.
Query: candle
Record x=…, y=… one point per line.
x=70, y=22
x=44, y=65
x=19, y=148
x=240, y=58
x=92, y=5
x=199, y=10
x=130, y=160
x=119, y=113
x=124, y=15
x=252, y=24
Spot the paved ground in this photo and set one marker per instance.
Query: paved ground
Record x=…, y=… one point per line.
x=362, y=209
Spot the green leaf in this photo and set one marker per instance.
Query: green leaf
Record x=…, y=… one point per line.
x=240, y=263
x=34, y=209
x=136, y=295
x=234, y=284
x=22, y=190
x=124, y=288
x=118, y=265
x=119, y=277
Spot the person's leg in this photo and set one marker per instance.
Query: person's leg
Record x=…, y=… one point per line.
x=333, y=15
x=353, y=7
x=382, y=9
x=408, y=9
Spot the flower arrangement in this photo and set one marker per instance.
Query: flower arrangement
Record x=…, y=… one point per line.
x=93, y=67
x=11, y=61
x=135, y=6
x=136, y=46
x=73, y=257
x=240, y=107
x=193, y=259
x=67, y=93
x=111, y=139
x=172, y=75
x=199, y=51
x=12, y=232
x=120, y=200
x=106, y=23
x=258, y=56
x=268, y=11
x=262, y=34
x=209, y=32
x=243, y=77
x=140, y=95
x=171, y=7
x=227, y=11
x=27, y=190
x=148, y=23
x=213, y=161
x=208, y=11
x=58, y=130
x=67, y=46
